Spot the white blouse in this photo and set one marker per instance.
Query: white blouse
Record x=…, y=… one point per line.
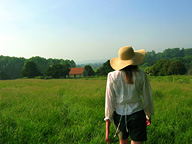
x=125, y=98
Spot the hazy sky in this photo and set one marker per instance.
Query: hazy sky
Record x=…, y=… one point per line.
x=92, y=29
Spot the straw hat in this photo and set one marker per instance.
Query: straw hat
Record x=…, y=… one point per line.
x=127, y=56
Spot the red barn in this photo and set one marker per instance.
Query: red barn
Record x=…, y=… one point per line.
x=77, y=72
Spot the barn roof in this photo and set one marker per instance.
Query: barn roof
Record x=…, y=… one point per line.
x=76, y=70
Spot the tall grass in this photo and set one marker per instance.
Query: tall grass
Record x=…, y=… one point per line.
x=72, y=112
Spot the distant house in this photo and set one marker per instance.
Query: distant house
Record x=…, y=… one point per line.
x=77, y=72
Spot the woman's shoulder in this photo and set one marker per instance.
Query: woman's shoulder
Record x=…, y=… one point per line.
x=117, y=72
x=141, y=72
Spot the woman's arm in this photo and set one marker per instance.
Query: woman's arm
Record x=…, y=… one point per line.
x=109, y=106
x=147, y=97
x=107, y=131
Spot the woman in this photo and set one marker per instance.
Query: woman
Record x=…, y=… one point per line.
x=129, y=102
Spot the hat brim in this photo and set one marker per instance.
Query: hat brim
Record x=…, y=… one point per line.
x=137, y=59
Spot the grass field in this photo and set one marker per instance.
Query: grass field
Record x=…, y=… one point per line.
x=71, y=111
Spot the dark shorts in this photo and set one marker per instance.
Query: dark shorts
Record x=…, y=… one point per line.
x=136, y=124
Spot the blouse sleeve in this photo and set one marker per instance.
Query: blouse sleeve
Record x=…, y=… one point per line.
x=147, y=97
x=109, y=99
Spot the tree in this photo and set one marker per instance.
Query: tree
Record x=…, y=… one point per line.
x=12, y=66
x=159, y=69
x=174, y=52
x=70, y=62
x=30, y=70
x=188, y=52
x=104, y=69
x=3, y=76
x=176, y=67
x=41, y=63
x=58, y=70
x=164, y=69
x=89, y=70
x=144, y=66
x=150, y=58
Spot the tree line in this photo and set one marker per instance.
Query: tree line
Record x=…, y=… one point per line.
x=13, y=67
x=169, y=62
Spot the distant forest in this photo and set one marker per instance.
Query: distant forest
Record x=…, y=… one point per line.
x=161, y=63
x=171, y=61
x=168, y=61
x=11, y=67
x=172, y=54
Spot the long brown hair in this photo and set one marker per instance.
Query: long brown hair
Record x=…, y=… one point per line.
x=129, y=73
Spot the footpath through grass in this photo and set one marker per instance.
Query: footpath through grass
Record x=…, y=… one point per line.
x=72, y=112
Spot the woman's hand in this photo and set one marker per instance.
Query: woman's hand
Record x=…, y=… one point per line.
x=148, y=121
x=108, y=141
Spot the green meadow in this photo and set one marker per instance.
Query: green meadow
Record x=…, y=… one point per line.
x=71, y=111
